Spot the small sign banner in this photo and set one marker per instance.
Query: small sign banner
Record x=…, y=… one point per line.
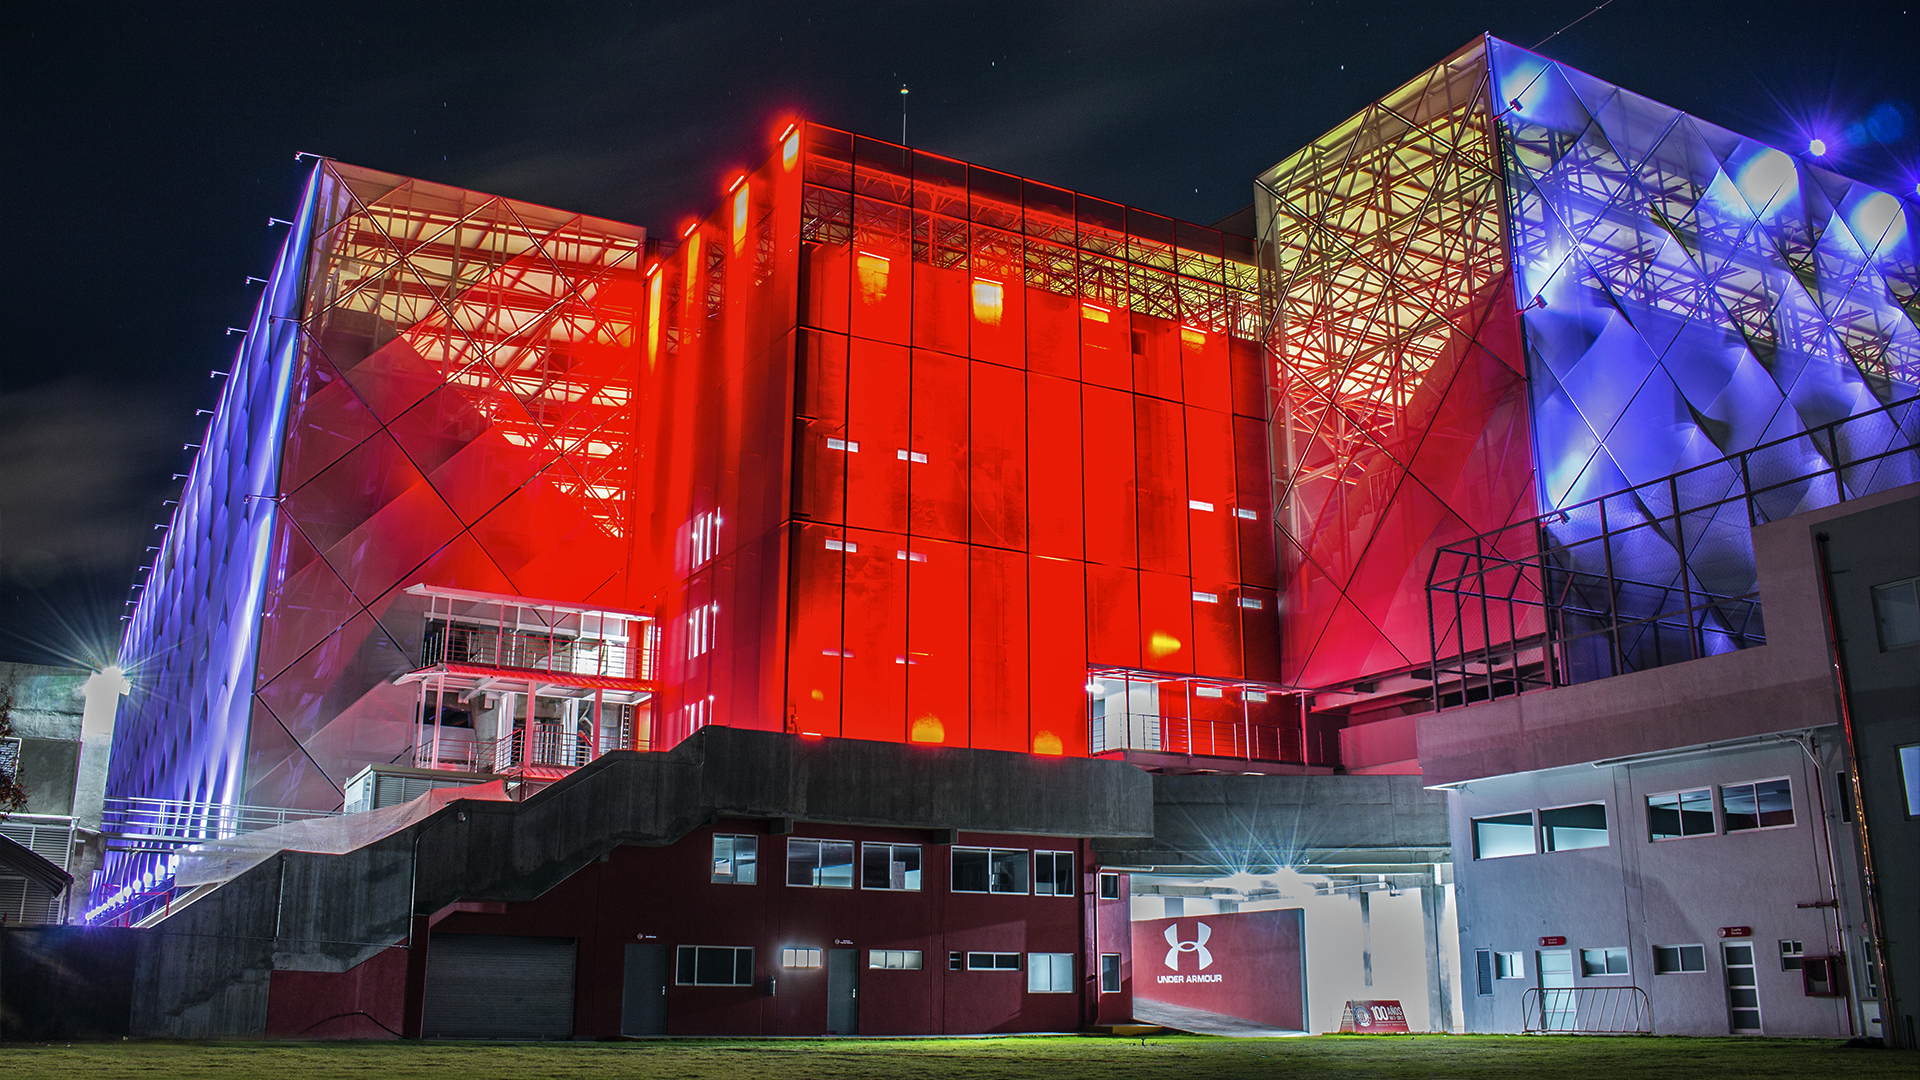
x=1373, y=1018
x=1736, y=931
x=1548, y=942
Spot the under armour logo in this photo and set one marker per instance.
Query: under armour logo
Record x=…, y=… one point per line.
x=1197, y=945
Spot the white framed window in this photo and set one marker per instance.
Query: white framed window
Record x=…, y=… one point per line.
x=890, y=866
x=1109, y=886
x=1109, y=972
x=1050, y=973
x=1596, y=962
x=1200, y=504
x=736, y=859
x=993, y=961
x=851, y=446
x=799, y=958
x=713, y=965
x=1569, y=828
x=894, y=959
x=1209, y=692
x=1679, y=959
x=1053, y=874
x=1509, y=965
x=994, y=870
x=1793, y=955
x=1675, y=815
x=1763, y=804
x=820, y=864
x=1896, y=608
x=1504, y=835
x=1205, y=597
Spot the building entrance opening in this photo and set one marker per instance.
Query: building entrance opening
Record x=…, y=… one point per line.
x=1743, y=989
x=1556, y=989
x=643, y=1001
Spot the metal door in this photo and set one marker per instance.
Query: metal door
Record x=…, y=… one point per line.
x=1743, y=990
x=643, y=1002
x=486, y=986
x=1556, y=988
x=843, y=991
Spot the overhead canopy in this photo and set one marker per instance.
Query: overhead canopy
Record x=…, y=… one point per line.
x=35, y=867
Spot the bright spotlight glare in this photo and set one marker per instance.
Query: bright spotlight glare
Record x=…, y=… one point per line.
x=1818, y=148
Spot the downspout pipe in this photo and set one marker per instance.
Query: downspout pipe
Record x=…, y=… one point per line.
x=1876, y=923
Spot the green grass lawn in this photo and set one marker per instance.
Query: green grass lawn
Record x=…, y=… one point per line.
x=1055, y=1058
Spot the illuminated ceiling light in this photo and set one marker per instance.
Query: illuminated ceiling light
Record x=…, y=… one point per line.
x=1818, y=148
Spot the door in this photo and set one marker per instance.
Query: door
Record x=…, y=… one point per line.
x=1743, y=988
x=1556, y=988
x=843, y=992
x=488, y=986
x=643, y=1001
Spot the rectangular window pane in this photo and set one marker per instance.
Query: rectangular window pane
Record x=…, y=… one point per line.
x=1053, y=873
x=803, y=861
x=890, y=866
x=1696, y=812
x=723, y=859
x=1737, y=806
x=1483, y=963
x=1049, y=973
x=1775, y=802
x=1110, y=973
x=743, y=965
x=1680, y=813
x=1567, y=828
x=1508, y=965
x=836, y=864
x=1897, y=605
x=970, y=873
x=1110, y=883
x=1910, y=777
x=683, y=965
x=712, y=966
x=1499, y=837
x=1009, y=871
x=734, y=859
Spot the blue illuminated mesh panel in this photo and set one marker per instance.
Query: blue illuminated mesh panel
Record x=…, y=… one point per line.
x=1705, y=317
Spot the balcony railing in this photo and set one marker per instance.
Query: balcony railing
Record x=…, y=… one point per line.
x=487, y=646
x=545, y=745
x=135, y=824
x=1233, y=738
x=1656, y=574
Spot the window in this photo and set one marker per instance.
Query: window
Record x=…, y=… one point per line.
x=1109, y=972
x=1896, y=606
x=953, y=961
x=1603, y=962
x=1109, y=886
x=1910, y=778
x=890, y=866
x=1791, y=954
x=1680, y=813
x=1499, y=837
x=1053, y=874
x=735, y=859
x=714, y=965
x=1483, y=963
x=1568, y=828
x=1679, y=959
x=799, y=958
x=993, y=961
x=1766, y=804
x=1509, y=965
x=1050, y=973
x=894, y=959
x=820, y=864
x=1000, y=870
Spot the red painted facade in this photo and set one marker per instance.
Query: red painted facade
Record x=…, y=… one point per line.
x=664, y=896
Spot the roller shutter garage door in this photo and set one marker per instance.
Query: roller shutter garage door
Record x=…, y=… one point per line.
x=485, y=986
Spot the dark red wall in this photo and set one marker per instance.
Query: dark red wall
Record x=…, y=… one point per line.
x=663, y=895
x=1255, y=971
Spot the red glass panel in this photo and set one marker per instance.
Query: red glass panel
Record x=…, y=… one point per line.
x=1053, y=467
x=1166, y=622
x=998, y=456
x=1155, y=346
x=1113, y=617
x=936, y=657
x=936, y=450
x=1211, y=496
x=1259, y=611
x=1107, y=420
x=941, y=283
x=814, y=664
x=882, y=303
x=1203, y=366
x=1247, y=365
x=1057, y=611
x=826, y=287
x=877, y=384
x=1252, y=504
x=1053, y=328
x=1159, y=453
x=998, y=605
x=875, y=679
x=1216, y=629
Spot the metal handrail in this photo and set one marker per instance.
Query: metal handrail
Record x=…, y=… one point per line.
x=1586, y=1010
x=1545, y=594
x=135, y=823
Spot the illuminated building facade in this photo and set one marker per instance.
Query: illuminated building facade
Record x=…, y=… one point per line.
x=894, y=448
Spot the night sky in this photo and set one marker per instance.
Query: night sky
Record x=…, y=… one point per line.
x=146, y=147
